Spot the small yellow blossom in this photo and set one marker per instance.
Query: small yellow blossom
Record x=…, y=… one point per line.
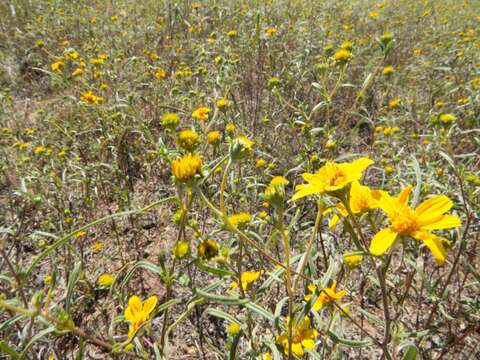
x=394, y=103
x=233, y=328
x=207, y=249
x=186, y=167
x=352, y=260
x=188, y=139
x=326, y=296
x=388, y=70
x=138, y=312
x=170, y=120
x=201, y=113
x=303, y=337
x=332, y=177
x=40, y=150
x=270, y=31
x=447, y=118
x=160, y=73
x=222, y=103
x=90, y=98
x=105, y=280
x=181, y=250
x=57, y=66
x=342, y=56
x=247, y=279
x=240, y=219
x=214, y=137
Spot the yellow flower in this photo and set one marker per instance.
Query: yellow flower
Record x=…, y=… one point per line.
x=247, y=279
x=214, y=137
x=40, y=150
x=389, y=169
x=222, y=103
x=233, y=328
x=240, y=219
x=188, y=139
x=267, y=356
x=326, y=296
x=57, y=66
x=77, y=72
x=170, y=120
x=361, y=199
x=181, y=250
x=160, y=73
x=201, y=113
x=138, y=312
x=303, y=337
x=270, y=31
x=186, y=167
x=232, y=33
x=71, y=54
x=342, y=56
x=241, y=147
x=90, y=98
x=394, y=103
x=331, y=177
x=415, y=223
x=105, y=280
x=352, y=261
x=207, y=249
x=230, y=129
x=346, y=45
x=260, y=163
x=447, y=118
x=388, y=70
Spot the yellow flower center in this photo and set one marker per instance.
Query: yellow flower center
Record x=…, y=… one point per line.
x=404, y=221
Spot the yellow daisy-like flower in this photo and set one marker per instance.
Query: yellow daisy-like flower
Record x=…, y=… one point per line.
x=447, y=118
x=188, y=139
x=352, y=260
x=105, y=280
x=233, y=328
x=232, y=33
x=57, y=66
x=342, y=55
x=201, y=113
x=214, y=137
x=207, y=249
x=222, y=103
x=186, y=167
x=170, y=120
x=240, y=219
x=90, y=98
x=415, y=223
x=270, y=31
x=332, y=177
x=303, y=337
x=160, y=73
x=326, y=296
x=388, y=70
x=77, y=72
x=361, y=200
x=394, y=103
x=247, y=279
x=138, y=312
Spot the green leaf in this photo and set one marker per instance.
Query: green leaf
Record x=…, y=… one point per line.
x=260, y=311
x=220, y=314
x=226, y=300
x=72, y=281
x=36, y=338
x=411, y=353
x=346, y=342
x=418, y=187
x=212, y=270
x=4, y=348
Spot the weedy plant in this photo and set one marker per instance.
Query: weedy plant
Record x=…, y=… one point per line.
x=239, y=180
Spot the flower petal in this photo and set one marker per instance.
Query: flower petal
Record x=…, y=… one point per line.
x=308, y=343
x=149, y=304
x=434, y=243
x=382, y=241
x=305, y=190
x=135, y=304
x=404, y=195
x=433, y=208
x=442, y=222
x=297, y=349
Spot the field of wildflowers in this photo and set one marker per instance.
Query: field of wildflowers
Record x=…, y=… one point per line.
x=288, y=179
